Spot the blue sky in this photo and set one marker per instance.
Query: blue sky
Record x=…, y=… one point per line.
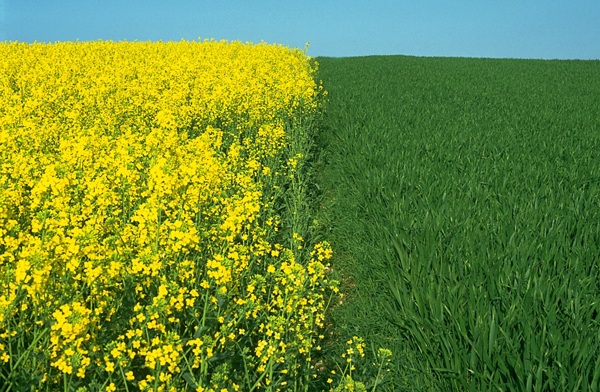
x=563, y=29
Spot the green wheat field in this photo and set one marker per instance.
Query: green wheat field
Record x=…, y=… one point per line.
x=462, y=199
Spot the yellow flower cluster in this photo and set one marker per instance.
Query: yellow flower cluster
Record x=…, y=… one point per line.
x=140, y=243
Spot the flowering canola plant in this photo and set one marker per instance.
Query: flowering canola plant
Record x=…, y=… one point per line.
x=141, y=237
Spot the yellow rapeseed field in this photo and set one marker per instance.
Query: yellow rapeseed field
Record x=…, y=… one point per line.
x=140, y=239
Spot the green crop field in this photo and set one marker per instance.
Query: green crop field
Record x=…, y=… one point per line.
x=463, y=202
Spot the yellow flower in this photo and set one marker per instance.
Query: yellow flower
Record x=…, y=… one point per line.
x=21, y=273
x=109, y=366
